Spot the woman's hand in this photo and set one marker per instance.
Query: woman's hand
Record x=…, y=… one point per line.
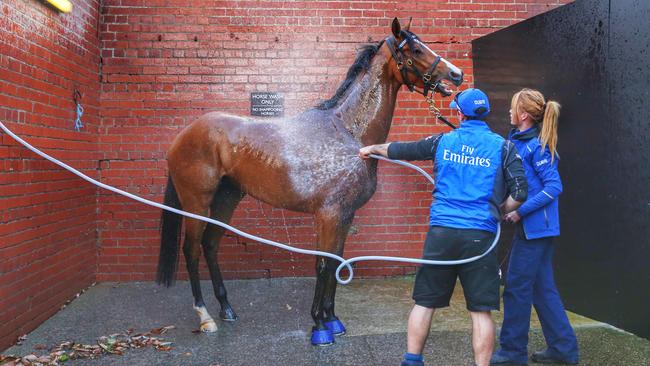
x=512, y=217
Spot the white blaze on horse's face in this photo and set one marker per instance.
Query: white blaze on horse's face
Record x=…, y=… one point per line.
x=453, y=70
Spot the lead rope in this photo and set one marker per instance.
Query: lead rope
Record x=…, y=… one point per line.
x=345, y=263
x=436, y=112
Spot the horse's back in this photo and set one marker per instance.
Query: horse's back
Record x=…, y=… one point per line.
x=296, y=163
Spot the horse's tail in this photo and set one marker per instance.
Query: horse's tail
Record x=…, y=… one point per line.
x=170, y=237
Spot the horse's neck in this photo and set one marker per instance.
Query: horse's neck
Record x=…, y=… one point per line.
x=367, y=111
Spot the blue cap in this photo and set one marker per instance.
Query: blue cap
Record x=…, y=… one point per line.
x=472, y=102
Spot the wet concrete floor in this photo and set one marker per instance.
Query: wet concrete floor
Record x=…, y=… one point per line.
x=274, y=326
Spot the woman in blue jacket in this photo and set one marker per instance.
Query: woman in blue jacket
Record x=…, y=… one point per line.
x=530, y=272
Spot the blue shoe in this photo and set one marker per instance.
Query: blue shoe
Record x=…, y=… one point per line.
x=499, y=359
x=412, y=363
x=412, y=360
x=547, y=356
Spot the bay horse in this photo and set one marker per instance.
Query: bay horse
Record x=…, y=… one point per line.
x=306, y=163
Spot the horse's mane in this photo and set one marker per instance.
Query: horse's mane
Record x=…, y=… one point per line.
x=361, y=64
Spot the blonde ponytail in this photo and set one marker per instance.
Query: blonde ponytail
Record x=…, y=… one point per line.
x=532, y=102
x=548, y=135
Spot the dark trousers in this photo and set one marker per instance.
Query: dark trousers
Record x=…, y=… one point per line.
x=530, y=281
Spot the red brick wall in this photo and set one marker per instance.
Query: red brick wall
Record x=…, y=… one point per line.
x=166, y=62
x=160, y=67
x=47, y=216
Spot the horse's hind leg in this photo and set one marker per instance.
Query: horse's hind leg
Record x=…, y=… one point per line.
x=192, y=251
x=195, y=198
x=223, y=205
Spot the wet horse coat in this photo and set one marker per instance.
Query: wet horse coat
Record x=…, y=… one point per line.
x=307, y=163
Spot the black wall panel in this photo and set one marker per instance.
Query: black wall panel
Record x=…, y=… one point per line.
x=592, y=57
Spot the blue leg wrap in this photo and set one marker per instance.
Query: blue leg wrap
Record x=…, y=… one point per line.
x=336, y=326
x=322, y=337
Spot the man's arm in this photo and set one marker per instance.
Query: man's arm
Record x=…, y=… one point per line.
x=515, y=179
x=416, y=150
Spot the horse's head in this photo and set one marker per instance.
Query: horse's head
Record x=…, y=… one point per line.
x=417, y=66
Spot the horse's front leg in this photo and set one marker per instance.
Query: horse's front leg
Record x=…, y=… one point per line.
x=320, y=335
x=331, y=230
x=332, y=322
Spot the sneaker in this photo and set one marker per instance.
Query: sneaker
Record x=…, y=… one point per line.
x=499, y=359
x=546, y=356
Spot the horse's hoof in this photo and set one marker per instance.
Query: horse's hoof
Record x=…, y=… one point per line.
x=336, y=326
x=228, y=315
x=322, y=337
x=208, y=326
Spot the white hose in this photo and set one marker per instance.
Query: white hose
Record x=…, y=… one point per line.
x=174, y=210
x=345, y=263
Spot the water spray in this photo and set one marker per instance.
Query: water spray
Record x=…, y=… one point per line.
x=345, y=263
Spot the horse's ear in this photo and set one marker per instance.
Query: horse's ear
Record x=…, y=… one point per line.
x=408, y=26
x=397, y=29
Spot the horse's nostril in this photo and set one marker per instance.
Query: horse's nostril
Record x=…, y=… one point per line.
x=456, y=75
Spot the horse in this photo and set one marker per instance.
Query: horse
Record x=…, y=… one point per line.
x=307, y=163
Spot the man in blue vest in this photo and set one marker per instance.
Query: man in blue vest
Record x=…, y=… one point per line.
x=478, y=175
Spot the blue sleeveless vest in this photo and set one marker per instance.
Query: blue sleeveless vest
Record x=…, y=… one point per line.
x=466, y=162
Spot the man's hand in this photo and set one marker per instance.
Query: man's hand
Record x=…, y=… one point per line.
x=510, y=205
x=365, y=151
x=512, y=217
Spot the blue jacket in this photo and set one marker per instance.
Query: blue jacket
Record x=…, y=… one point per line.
x=540, y=212
x=466, y=163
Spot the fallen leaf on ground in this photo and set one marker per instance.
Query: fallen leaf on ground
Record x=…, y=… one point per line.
x=116, y=344
x=162, y=330
x=8, y=360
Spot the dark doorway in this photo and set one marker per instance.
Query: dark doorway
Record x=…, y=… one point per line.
x=592, y=57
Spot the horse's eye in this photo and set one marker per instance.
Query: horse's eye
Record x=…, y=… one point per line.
x=418, y=51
